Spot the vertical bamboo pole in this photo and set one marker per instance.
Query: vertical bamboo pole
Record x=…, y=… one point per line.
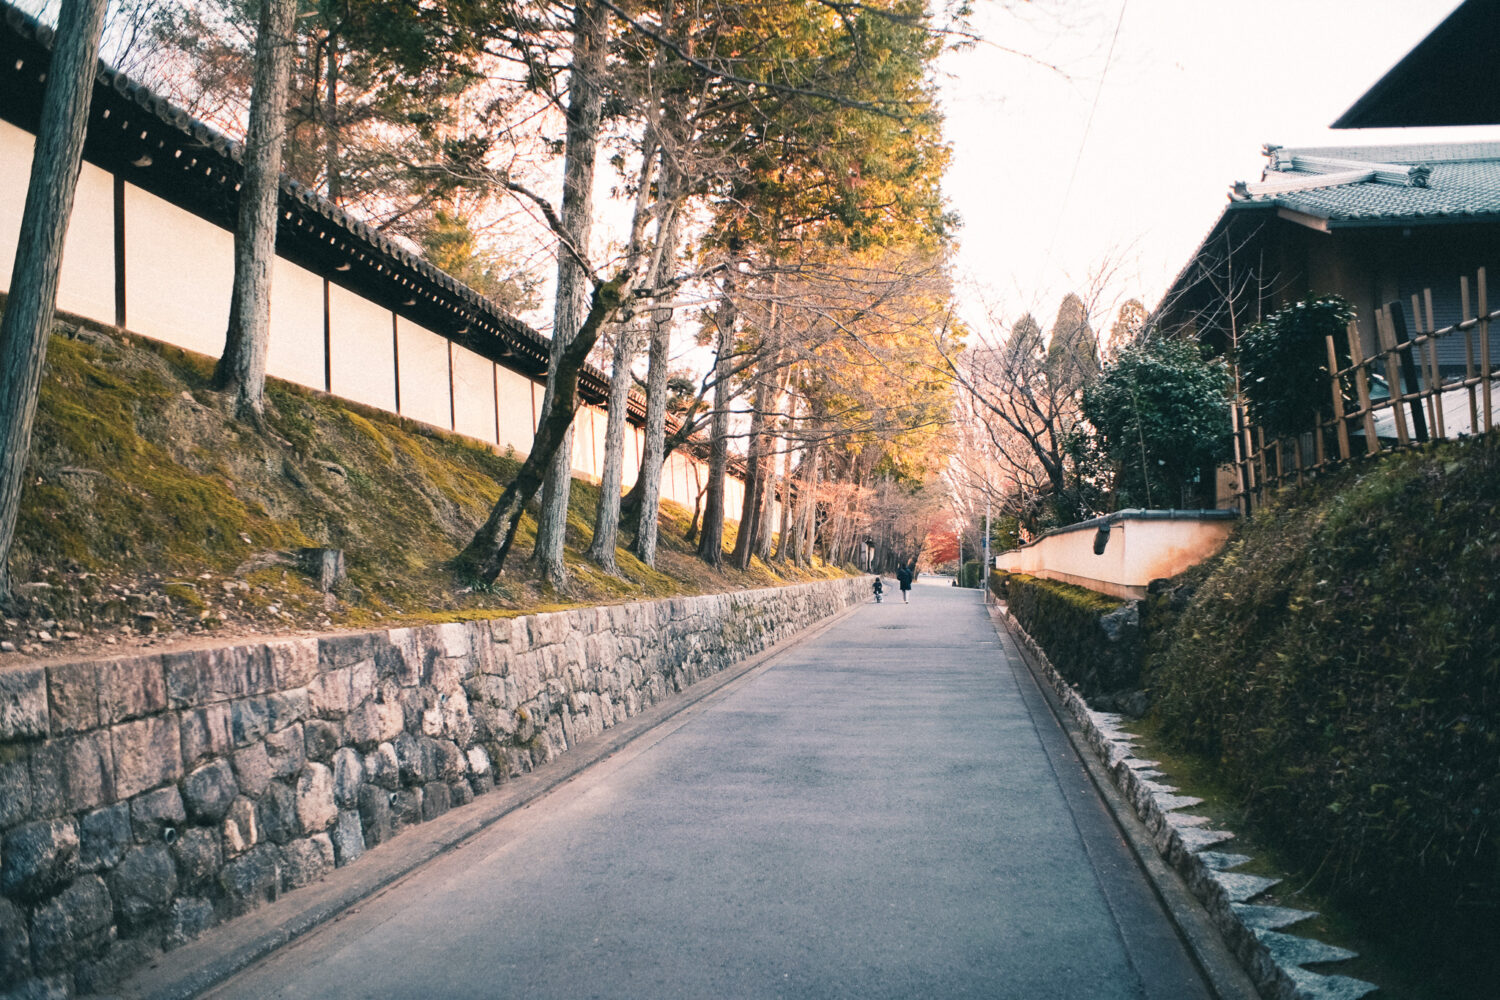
x=1463, y=292
x=1362, y=388
x=1484, y=352
x=1340, y=424
x=1419, y=358
x=1319, y=458
x=1392, y=372
x=1440, y=421
x=1241, y=472
x=1260, y=440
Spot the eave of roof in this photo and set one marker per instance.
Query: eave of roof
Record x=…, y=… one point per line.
x=1447, y=79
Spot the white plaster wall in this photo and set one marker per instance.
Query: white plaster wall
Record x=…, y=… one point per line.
x=1137, y=553
x=179, y=270
x=361, y=350
x=422, y=360
x=515, y=411
x=295, y=350
x=473, y=395
x=734, y=498
x=86, y=283
x=537, y=393
x=633, y=444
x=15, y=174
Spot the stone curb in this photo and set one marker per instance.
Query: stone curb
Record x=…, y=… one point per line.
x=1271, y=959
x=215, y=957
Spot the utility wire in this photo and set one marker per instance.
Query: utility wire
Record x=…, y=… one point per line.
x=1083, y=142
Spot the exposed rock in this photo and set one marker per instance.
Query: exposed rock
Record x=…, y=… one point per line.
x=208, y=792
x=377, y=818
x=205, y=732
x=348, y=776
x=155, y=813
x=252, y=878
x=241, y=828
x=285, y=751
x=104, y=834
x=348, y=837
x=15, y=944
x=316, y=808
x=15, y=791
x=198, y=857
x=38, y=859
x=23, y=704
x=143, y=884
x=383, y=767
x=189, y=918
x=276, y=813
x=252, y=770
x=320, y=739
x=436, y=800
x=305, y=861
x=147, y=753
x=75, y=923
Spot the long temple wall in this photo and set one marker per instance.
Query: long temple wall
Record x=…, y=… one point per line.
x=177, y=273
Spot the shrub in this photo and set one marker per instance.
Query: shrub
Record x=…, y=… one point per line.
x=1161, y=413
x=1340, y=663
x=1091, y=639
x=1284, y=363
x=969, y=575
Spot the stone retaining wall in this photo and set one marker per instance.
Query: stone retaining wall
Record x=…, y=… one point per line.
x=145, y=799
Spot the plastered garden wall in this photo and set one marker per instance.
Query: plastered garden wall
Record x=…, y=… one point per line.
x=147, y=798
x=176, y=276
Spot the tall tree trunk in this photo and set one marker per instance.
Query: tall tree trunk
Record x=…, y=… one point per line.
x=764, y=534
x=585, y=107
x=607, y=517
x=711, y=542
x=656, y=377
x=807, y=536
x=744, y=541
x=44, y=224
x=755, y=459
x=242, y=367
x=484, y=557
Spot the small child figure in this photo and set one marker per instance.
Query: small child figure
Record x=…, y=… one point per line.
x=879, y=589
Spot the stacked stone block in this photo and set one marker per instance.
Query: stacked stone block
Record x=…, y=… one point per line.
x=145, y=799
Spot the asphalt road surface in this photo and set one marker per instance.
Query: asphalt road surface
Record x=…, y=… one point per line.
x=884, y=810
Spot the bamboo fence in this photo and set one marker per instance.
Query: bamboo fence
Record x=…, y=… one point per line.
x=1407, y=362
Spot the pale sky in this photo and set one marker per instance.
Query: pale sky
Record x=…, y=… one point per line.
x=1193, y=90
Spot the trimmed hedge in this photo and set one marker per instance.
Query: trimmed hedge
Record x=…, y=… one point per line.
x=1341, y=662
x=1093, y=640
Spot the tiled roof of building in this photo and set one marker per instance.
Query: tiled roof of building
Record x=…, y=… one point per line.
x=1380, y=185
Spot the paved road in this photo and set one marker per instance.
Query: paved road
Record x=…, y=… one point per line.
x=886, y=810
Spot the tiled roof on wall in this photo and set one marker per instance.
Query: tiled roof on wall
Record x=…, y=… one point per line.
x=137, y=134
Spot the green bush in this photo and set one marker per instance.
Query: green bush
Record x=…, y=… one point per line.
x=969, y=575
x=1090, y=638
x=1284, y=363
x=1342, y=662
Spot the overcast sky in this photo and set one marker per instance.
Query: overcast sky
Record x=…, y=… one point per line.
x=1192, y=91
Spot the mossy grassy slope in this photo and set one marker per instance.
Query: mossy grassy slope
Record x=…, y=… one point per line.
x=142, y=496
x=1339, y=667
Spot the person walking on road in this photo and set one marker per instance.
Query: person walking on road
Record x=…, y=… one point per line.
x=904, y=577
x=879, y=589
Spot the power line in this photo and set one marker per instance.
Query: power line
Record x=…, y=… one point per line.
x=1083, y=141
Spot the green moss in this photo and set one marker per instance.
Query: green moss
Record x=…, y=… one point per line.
x=1338, y=664
x=136, y=474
